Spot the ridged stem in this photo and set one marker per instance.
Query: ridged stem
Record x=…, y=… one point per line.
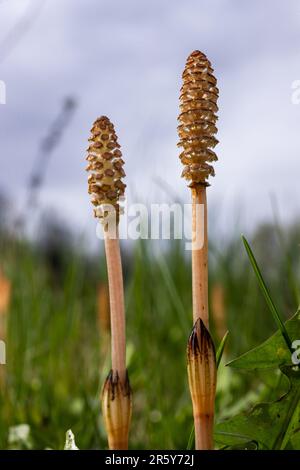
x=117, y=308
x=200, y=254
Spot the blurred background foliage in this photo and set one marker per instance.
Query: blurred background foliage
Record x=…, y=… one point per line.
x=54, y=313
x=55, y=321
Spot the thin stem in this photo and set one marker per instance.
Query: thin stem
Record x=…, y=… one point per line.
x=117, y=307
x=203, y=422
x=200, y=254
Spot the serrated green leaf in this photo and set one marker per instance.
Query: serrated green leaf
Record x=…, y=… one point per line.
x=273, y=352
x=271, y=425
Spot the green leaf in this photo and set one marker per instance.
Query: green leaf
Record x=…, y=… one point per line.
x=270, y=425
x=191, y=440
x=266, y=293
x=273, y=352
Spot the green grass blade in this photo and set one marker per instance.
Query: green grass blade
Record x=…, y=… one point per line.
x=266, y=293
x=221, y=348
x=191, y=441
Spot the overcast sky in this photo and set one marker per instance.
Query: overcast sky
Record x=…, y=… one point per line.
x=124, y=59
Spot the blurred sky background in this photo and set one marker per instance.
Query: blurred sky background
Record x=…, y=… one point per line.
x=124, y=59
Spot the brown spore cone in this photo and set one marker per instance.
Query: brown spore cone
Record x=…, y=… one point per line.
x=105, y=166
x=197, y=119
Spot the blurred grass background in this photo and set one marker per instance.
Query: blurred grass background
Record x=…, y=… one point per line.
x=53, y=295
x=58, y=340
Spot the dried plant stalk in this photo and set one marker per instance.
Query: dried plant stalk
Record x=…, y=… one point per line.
x=106, y=187
x=196, y=130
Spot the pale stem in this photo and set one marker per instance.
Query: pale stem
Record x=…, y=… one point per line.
x=117, y=307
x=200, y=255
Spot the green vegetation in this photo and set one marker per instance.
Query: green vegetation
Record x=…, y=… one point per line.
x=57, y=357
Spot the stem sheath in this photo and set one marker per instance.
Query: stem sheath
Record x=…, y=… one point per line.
x=204, y=432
